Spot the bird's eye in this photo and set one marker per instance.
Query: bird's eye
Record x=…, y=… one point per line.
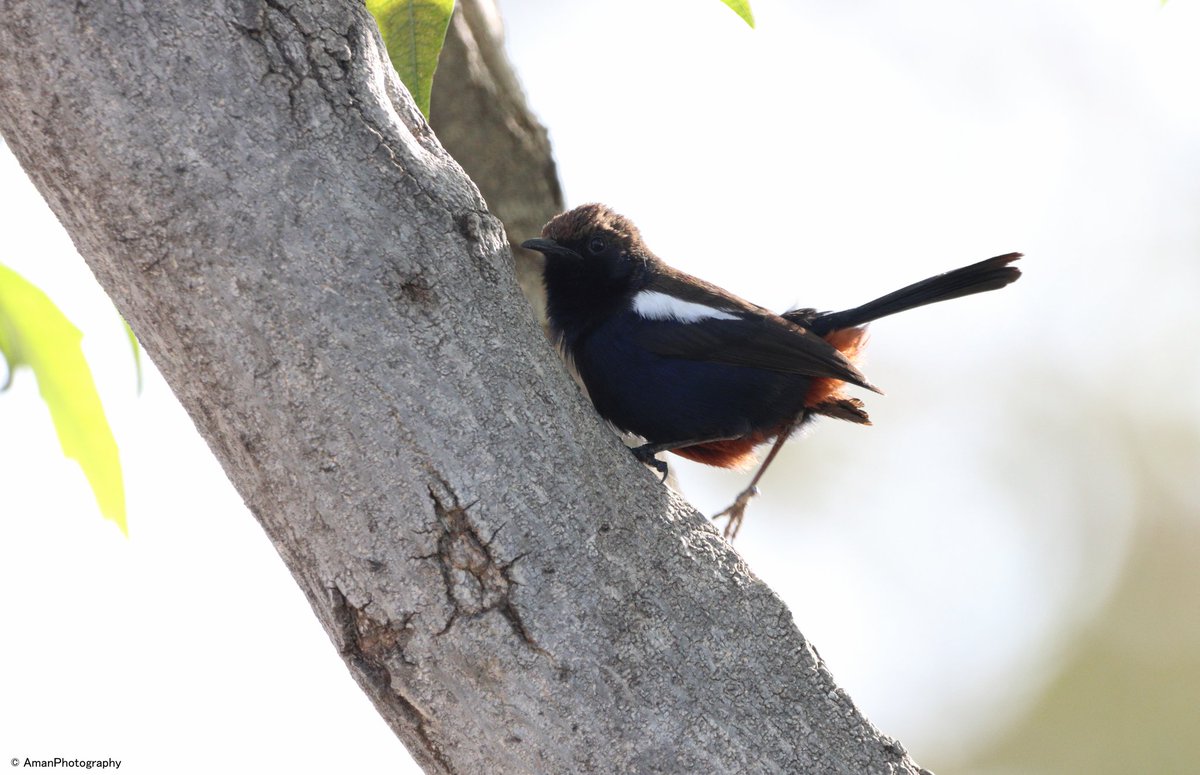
x=596, y=245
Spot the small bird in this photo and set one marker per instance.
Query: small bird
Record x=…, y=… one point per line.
x=697, y=371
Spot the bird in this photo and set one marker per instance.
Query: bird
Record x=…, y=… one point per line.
x=697, y=371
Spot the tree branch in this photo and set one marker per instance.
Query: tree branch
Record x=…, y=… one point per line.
x=327, y=294
x=481, y=117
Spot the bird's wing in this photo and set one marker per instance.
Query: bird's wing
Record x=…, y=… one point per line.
x=740, y=334
x=757, y=342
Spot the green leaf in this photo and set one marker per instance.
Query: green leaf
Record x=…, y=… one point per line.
x=742, y=9
x=137, y=353
x=413, y=31
x=35, y=333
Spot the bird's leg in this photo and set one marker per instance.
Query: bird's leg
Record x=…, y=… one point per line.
x=646, y=452
x=736, y=511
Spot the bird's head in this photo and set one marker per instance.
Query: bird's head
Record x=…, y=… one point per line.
x=595, y=263
x=591, y=241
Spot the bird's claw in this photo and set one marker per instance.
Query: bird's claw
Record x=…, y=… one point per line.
x=736, y=512
x=647, y=457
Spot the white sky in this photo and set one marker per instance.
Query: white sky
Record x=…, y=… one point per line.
x=833, y=154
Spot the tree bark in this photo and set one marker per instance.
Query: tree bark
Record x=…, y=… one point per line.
x=334, y=305
x=481, y=117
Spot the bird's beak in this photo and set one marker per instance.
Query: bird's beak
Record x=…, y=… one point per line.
x=548, y=247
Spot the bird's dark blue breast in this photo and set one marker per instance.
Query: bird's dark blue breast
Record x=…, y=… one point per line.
x=667, y=399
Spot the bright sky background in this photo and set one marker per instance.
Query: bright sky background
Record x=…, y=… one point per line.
x=938, y=560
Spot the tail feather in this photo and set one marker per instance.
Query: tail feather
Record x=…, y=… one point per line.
x=843, y=408
x=989, y=275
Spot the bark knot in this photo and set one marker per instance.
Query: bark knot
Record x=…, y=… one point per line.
x=377, y=646
x=477, y=582
x=374, y=647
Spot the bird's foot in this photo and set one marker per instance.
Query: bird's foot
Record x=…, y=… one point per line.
x=736, y=512
x=646, y=454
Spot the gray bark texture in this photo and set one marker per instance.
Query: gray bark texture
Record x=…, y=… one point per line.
x=334, y=304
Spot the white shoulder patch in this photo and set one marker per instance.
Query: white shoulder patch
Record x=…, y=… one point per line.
x=656, y=305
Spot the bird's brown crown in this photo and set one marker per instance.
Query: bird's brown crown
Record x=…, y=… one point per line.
x=576, y=225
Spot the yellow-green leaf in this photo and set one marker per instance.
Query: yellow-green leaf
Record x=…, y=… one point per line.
x=413, y=31
x=742, y=9
x=34, y=333
x=137, y=353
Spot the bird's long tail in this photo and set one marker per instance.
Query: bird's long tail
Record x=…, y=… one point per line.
x=989, y=275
